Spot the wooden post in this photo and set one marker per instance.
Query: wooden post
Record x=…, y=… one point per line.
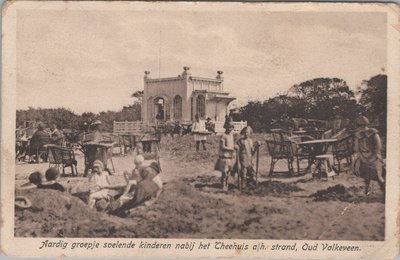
x=238, y=170
x=258, y=156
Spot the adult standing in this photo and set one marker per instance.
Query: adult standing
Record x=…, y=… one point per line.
x=198, y=130
x=368, y=146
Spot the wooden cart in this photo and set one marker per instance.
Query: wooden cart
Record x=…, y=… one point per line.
x=98, y=151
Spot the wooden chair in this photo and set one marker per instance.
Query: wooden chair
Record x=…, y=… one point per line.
x=62, y=157
x=279, y=135
x=343, y=149
x=39, y=148
x=281, y=151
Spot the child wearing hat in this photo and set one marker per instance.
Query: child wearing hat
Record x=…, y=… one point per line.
x=225, y=161
x=100, y=184
x=246, y=150
x=368, y=146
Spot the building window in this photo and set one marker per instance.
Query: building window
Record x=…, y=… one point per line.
x=167, y=111
x=150, y=111
x=191, y=109
x=177, y=108
x=201, y=106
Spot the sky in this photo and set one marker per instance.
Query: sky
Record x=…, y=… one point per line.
x=94, y=60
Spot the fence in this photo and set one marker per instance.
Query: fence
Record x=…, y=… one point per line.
x=136, y=127
x=219, y=126
x=127, y=128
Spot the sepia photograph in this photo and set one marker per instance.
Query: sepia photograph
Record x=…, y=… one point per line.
x=221, y=123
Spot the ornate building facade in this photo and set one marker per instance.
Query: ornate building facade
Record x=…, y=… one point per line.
x=181, y=98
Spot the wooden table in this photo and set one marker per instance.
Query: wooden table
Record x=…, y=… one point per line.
x=315, y=148
x=313, y=133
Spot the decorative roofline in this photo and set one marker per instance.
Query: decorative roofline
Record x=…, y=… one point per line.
x=210, y=92
x=186, y=75
x=182, y=78
x=163, y=79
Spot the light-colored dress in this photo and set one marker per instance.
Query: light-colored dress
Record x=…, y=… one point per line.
x=199, y=127
x=98, y=186
x=225, y=161
x=246, y=149
x=367, y=146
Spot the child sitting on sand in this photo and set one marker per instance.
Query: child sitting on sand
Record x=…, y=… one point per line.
x=143, y=187
x=52, y=175
x=35, y=179
x=132, y=179
x=100, y=184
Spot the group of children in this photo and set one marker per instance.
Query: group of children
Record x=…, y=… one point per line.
x=142, y=185
x=367, y=147
x=51, y=175
x=228, y=164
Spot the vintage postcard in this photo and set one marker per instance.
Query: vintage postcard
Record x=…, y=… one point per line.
x=200, y=129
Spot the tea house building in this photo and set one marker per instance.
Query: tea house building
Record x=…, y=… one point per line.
x=181, y=98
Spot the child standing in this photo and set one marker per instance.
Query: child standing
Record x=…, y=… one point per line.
x=368, y=146
x=246, y=150
x=198, y=128
x=225, y=161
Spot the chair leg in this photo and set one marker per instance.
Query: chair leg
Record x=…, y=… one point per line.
x=298, y=166
x=112, y=164
x=290, y=167
x=271, y=169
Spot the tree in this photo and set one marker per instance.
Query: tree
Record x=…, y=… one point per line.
x=138, y=95
x=373, y=98
x=324, y=98
x=254, y=115
x=62, y=117
x=374, y=95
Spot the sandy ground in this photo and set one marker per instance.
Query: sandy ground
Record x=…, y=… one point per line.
x=192, y=205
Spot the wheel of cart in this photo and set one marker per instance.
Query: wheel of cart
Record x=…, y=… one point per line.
x=149, y=146
x=98, y=151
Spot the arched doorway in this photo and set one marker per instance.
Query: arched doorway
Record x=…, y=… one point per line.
x=159, y=108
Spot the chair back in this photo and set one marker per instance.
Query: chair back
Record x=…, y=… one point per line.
x=280, y=150
x=280, y=135
x=344, y=147
x=60, y=155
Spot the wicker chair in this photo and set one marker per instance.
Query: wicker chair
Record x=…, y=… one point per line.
x=343, y=149
x=281, y=151
x=62, y=157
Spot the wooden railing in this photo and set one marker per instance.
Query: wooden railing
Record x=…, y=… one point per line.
x=127, y=127
x=136, y=127
x=219, y=126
